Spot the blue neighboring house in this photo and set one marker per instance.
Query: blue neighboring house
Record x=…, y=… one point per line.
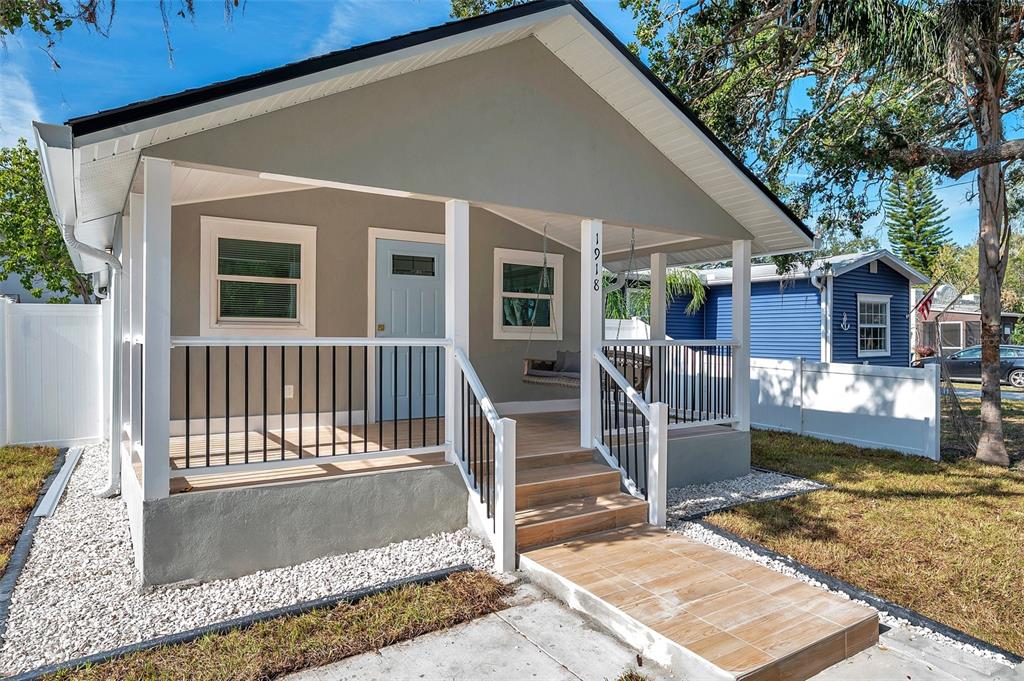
x=848, y=308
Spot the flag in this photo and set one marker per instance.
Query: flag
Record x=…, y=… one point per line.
x=924, y=306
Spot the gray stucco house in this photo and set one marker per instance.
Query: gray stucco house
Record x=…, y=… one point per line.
x=368, y=287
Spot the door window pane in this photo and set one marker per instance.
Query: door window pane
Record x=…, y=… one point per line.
x=412, y=265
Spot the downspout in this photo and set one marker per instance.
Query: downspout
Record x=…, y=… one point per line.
x=819, y=281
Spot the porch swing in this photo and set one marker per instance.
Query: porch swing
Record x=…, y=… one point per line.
x=564, y=370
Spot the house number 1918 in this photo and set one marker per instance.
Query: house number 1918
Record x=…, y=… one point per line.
x=597, y=262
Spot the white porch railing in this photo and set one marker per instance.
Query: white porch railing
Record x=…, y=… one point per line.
x=694, y=378
x=265, y=403
x=633, y=436
x=484, y=445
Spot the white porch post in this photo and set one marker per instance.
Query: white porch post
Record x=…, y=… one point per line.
x=591, y=327
x=657, y=466
x=134, y=331
x=741, y=333
x=505, y=496
x=659, y=313
x=156, y=349
x=456, y=308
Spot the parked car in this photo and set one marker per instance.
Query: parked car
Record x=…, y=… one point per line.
x=965, y=365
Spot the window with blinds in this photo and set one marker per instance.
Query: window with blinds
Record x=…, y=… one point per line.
x=258, y=280
x=872, y=326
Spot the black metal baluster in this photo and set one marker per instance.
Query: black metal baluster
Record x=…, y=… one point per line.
x=188, y=410
x=227, y=405
x=366, y=403
x=207, y=405
x=394, y=396
x=316, y=403
x=380, y=398
x=245, y=418
x=301, y=450
x=409, y=394
x=283, y=360
x=437, y=395
x=423, y=394
x=264, y=395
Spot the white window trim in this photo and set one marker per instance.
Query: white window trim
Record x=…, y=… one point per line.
x=501, y=332
x=212, y=228
x=960, y=326
x=875, y=298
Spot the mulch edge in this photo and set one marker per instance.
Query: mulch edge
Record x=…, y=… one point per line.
x=241, y=622
x=19, y=556
x=877, y=602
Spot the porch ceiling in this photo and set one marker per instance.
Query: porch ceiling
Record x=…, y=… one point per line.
x=107, y=145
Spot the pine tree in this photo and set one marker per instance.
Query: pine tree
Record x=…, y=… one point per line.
x=916, y=220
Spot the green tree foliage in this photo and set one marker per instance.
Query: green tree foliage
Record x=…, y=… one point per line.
x=958, y=266
x=916, y=219
x=31, y=246
x=843, y=243
x=49, y=18
x=636, y=302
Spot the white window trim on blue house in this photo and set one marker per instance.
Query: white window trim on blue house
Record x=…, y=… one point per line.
x=875, y=298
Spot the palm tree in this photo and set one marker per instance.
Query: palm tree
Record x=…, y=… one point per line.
x=636, y=301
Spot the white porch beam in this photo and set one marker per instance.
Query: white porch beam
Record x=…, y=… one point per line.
x=156, y=325
x=741, y=333
x=591, y=327
x=456, y=306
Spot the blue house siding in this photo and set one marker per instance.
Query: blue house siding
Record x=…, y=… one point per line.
x=886, y=281
x=785, y=321
x=682, y=326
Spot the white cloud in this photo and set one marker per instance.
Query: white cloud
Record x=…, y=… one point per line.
x=18, y=106
x=354, y=22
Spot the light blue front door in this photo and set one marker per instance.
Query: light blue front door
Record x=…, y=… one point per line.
x=410, y=304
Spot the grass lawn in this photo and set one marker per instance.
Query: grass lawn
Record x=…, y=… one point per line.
x=22, y=471
x=943, y=539
x=288, y=644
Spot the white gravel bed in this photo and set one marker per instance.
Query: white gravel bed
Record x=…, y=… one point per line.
x=702, y=534
x=686, y=502
x=79, y=592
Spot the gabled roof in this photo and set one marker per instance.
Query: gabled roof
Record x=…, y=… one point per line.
x=836, y=266
x=108, y=144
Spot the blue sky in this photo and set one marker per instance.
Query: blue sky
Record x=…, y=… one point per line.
x=132, y=63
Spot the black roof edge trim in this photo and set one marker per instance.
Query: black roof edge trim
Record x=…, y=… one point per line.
x=130, y=113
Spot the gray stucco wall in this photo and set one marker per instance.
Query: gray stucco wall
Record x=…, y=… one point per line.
x=512, y=126
x=701, y=458
x=342, y=219
x=228, y=533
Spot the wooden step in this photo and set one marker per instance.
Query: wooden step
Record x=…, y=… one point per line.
x=565, y=519
x=550, y=484
x=554, y=459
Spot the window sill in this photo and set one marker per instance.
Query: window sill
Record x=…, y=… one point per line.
x=874, y=354
x=526, y=336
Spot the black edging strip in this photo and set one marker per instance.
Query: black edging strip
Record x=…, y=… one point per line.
x=241, y=622
x=19, y=556
x=859, y=594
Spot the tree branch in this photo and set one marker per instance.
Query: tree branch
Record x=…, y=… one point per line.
x=958, y=162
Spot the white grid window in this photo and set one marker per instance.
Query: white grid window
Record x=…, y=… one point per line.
x=872, y=326
x=527, y=295
x=257, y=277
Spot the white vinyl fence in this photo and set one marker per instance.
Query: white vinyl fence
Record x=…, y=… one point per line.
x=52, y=374
x=870, y=406
x=626, y=329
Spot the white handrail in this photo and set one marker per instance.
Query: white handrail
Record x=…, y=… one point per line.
x=486, y=406
x=620, y=381
x=200, y=341
x=669, y=342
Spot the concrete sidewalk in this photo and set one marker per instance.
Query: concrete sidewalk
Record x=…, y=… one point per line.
x=540, y=638
x=537, y=638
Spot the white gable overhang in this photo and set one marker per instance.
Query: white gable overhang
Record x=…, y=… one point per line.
x=103, y=149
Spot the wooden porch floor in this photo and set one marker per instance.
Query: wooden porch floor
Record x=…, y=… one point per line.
x=749, y=621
